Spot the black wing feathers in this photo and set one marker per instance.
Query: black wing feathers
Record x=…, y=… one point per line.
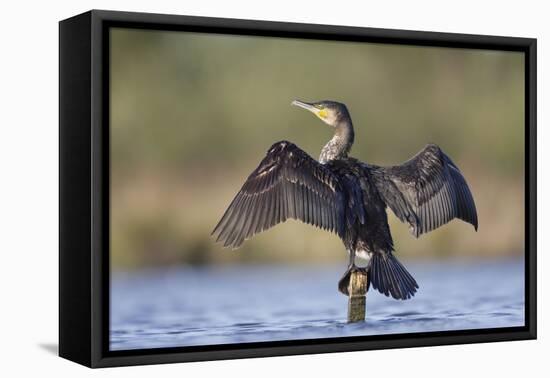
x=288, y=183
x=427, y=191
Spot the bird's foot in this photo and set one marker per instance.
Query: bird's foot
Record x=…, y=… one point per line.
x=343, y=284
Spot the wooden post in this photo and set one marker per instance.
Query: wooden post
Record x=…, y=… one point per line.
x=357, y=290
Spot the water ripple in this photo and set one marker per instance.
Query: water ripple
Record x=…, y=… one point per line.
x=189, y=307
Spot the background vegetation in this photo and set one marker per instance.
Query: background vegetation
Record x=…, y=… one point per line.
x=193, y=114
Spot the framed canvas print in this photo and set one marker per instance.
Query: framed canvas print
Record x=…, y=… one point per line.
x=234, y=188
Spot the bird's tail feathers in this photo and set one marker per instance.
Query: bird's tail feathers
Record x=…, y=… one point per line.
x=389, y=276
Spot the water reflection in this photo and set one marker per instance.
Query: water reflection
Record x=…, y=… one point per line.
x=197, y=306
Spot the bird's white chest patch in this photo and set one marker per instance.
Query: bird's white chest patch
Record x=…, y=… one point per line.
x=363, y=255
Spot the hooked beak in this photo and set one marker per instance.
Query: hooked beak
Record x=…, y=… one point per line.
x=305, y=106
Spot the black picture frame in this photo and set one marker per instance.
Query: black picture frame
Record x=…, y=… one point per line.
x=84, y=188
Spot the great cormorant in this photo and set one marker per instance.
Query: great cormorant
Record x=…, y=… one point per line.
x=343, y=195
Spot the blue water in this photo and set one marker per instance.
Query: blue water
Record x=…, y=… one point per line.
x=197, y=306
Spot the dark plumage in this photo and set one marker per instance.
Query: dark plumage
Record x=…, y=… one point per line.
x=345, y=196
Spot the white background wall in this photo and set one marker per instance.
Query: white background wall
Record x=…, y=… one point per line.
x=29, y=186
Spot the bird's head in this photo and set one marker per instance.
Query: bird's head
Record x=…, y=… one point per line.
x=331, y=112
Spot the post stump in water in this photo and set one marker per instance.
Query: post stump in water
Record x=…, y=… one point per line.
x=357, y=290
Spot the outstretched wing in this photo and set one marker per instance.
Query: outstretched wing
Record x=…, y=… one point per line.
x=288, y=183
x=426, y=191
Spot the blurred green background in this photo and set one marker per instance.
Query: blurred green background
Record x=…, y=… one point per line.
x=193, y=114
